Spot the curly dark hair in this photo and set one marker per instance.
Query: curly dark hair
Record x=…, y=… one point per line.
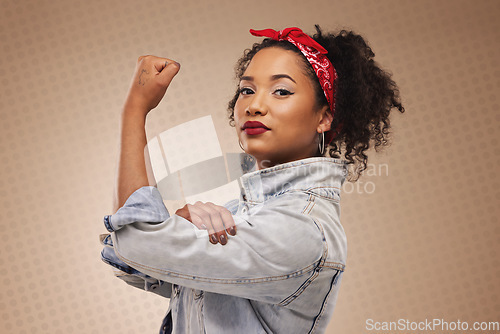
x=365, y=94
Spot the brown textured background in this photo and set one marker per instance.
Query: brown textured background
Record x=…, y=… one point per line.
x=422, y=245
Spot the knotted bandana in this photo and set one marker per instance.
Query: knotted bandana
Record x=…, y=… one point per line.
x=316, y=55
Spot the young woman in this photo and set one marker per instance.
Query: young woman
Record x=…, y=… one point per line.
x=280, y=273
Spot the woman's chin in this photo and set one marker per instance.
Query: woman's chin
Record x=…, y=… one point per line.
x=258, y=154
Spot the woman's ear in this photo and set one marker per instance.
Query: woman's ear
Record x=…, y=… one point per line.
x=325, y=122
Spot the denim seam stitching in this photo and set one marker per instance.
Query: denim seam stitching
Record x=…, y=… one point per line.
x=303, y=190
x=301, y=288
x=219, y=280
x=309, y=202
x=317, y=269
x=334, y=265
x=330, y=199
x=309, y=192
x=325, y=302
x=305, y=284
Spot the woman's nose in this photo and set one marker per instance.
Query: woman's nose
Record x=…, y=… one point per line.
x=257, y=105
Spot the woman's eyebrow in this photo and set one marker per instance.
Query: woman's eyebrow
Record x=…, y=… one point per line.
x=280, y=76
x=273, y=77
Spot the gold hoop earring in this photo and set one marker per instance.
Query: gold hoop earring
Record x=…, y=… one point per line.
x=322, y=143
x=239, y=142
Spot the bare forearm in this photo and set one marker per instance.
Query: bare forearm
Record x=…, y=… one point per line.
x=131, y=169
x=151, y=79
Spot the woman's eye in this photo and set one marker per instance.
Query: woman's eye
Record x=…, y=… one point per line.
x=246, y=91
x=282, y=92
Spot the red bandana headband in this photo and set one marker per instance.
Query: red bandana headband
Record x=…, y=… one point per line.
x=316, y=55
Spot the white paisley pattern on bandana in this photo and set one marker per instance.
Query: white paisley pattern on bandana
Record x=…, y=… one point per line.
x=324, y=70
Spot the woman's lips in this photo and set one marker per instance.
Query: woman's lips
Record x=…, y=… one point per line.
x=254, y=128
x=255, y=131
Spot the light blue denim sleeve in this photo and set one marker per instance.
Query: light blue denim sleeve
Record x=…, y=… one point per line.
x=151, y=211
x=144, y=205
x=275, y=252
x=130, y=275
x=154, y=211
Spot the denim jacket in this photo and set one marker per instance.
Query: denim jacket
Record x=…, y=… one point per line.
x=280, y=273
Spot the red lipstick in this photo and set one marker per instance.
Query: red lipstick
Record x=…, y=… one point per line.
x=254, y=128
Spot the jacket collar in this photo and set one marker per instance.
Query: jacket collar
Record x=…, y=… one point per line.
x=304, y=175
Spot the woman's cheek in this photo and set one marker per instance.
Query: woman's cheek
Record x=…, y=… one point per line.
x=238, y=111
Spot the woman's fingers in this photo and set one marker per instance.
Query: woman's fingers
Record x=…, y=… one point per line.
x=217, y=220
x=158, y=64
x=166, y=70
x=185, y=212
x=150, y=82
x=227, y=218
x=212, y=218
x=201, y=218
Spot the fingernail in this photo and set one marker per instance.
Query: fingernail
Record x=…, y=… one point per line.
x=178, y=65
x=203, y=226
x=232, y=230
x=223, y=239
x=213, y=238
